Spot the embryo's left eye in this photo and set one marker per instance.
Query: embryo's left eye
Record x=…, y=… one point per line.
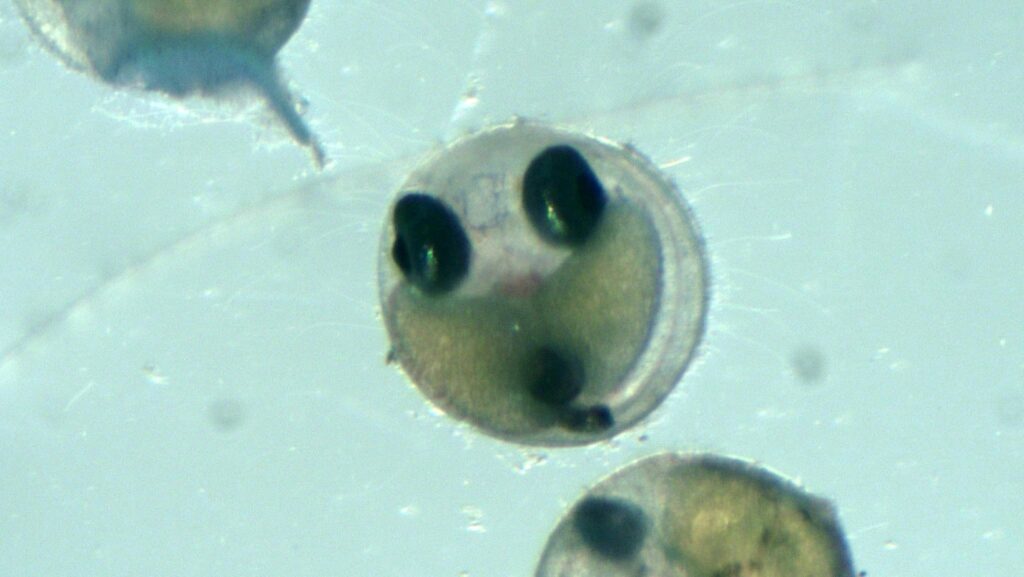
x=545, y=286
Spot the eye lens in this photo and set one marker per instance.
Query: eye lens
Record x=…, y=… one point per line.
x=430, y=247
x=562, y=196
x=613, y=528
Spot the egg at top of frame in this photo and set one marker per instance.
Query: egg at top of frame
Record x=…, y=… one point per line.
x=699, y=515
x=546, y=286
x=179, y=47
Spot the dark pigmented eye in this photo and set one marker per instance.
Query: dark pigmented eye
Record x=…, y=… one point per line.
x=612, y=528
x=562, y=196
x=430, y=247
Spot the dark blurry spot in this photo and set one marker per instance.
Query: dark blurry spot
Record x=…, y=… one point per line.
x=227, y=414
x=612, y=528
x=1010, y=410
x=589, y=420
x=555, y=378
x=808, y=364
x=562, y=196
x=646, y=18
x=14, y=202
x=430, y=248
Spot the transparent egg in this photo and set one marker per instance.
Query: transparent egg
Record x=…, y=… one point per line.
x=543, y=285
x=697, y=516
x=179, y=47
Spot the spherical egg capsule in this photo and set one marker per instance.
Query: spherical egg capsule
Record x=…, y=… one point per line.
x=179, y=47
x=543, y=285
x=680, y=515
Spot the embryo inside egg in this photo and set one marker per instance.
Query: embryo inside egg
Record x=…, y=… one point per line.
x=546, y=286
x=179, y=47
x=697, y=515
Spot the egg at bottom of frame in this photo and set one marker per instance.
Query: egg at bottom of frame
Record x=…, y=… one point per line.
x=545, y=286
x=697, y=515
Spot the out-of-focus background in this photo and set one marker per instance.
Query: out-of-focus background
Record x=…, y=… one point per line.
x=192, y=367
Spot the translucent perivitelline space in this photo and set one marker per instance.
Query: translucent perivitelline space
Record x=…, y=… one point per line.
x=871, y=216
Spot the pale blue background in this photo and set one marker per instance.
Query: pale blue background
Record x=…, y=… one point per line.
x=192, y=378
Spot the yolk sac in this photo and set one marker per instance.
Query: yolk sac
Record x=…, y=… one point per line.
x=545, y=286
x=613, y=528
x=179, y=47
x=712, y=515
x=430, y=246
